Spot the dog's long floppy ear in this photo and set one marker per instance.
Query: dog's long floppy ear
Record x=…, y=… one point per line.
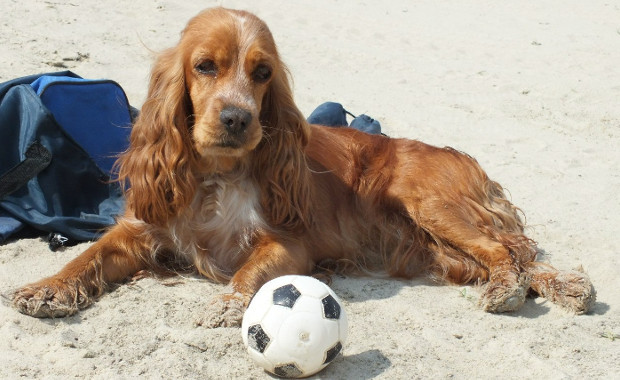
x=157, y=165
x=279, y=164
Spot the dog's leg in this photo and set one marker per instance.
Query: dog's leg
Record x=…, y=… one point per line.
x=113, y=258
x=270, y=259
x=507, y=286
x=570, y=289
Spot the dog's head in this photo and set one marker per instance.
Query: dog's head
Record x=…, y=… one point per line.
x=219, y=98
x=229, y=61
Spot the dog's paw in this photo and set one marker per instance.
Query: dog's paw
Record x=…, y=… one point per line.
x=504, y=292
x=225, y=310
x=50, y=299
x=572, y=290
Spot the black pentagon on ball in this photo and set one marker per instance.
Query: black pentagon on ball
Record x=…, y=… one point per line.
x=331, y=308
x=286, y=295
x=258, y=338
x=332, y=353
x=287, y=370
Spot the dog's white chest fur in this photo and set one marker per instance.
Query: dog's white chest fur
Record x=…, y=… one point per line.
x=219, y=225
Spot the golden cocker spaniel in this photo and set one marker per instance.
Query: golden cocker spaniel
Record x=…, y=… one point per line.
x=225, y=176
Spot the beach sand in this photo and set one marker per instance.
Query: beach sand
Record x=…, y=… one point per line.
x=530, y=89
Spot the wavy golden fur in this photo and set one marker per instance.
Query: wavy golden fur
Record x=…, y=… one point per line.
x=225, y=176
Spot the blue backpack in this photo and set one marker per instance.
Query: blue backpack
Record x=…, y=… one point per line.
x=59, y=137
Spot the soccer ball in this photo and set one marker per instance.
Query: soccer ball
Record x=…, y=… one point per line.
x=294, y=326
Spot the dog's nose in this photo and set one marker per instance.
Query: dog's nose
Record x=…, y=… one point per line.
x=235, y=119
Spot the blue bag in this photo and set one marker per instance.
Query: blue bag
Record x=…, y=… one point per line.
x=59, y=137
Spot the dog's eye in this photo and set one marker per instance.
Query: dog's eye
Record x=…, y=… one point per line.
x=207, y=67
x=261, y=73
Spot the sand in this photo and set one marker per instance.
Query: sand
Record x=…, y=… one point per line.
x=531, y=89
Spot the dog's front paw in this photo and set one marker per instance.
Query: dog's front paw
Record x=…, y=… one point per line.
x=225, y=310
x=505, y=292
x=50, y=298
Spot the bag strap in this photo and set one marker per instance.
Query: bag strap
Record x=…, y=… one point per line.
x=37, y=159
